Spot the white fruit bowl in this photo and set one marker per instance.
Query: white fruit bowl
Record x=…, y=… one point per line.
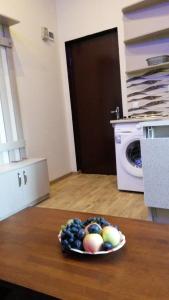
x=119, y=246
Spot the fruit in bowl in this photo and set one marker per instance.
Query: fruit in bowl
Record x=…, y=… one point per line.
x=93, y=228
x=111, y=235
x=92, y=242
x=92, y=236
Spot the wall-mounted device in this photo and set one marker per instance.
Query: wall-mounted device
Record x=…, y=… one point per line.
x=46, y=34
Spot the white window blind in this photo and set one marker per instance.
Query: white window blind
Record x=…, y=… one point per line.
x=12, y=147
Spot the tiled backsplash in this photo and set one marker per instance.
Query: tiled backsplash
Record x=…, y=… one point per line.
x=148, y=93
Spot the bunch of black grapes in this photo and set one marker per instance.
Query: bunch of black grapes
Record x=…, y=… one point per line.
x=72, y=236
x=99, y=220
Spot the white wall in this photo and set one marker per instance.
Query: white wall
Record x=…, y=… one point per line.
x=42, y=74
x=77, y=18
x=39, y=82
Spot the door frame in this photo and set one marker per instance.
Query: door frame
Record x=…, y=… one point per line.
x=76, y=130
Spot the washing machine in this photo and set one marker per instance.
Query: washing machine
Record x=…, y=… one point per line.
x=128, y=156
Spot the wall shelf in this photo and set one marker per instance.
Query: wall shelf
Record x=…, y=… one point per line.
x=148, y=68
x=141, y=5
x=146, y=35
x=149, y=36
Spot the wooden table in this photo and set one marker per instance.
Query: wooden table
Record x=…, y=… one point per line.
x=30, y=256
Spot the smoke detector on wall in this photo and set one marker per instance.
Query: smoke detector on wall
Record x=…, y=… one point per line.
x=46, y=34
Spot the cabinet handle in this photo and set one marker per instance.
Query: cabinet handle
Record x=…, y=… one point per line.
x=25, y=177
x=19, y=180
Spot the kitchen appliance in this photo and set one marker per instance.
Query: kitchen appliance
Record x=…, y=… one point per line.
x=128, y=156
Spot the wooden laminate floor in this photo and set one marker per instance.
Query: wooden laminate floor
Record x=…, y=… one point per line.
x=95, y=194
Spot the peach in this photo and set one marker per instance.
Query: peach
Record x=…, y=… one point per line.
x=92, y=242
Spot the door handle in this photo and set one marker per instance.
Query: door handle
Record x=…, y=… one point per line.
x=117, y=112
x=19, y=180
x=25, y=177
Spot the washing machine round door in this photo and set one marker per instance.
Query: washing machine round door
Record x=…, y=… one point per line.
x=131, y=156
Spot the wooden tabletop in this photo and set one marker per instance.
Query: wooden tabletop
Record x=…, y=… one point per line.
x=30, y=256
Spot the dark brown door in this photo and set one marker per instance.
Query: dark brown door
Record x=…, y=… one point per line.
x=95, y=90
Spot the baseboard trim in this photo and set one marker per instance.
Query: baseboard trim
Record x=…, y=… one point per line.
x=62, y=177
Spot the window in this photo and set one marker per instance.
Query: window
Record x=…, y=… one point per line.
x=12, y=146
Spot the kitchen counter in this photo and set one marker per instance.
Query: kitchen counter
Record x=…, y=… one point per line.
x=136, y=120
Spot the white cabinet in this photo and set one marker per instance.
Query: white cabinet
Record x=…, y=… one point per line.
x=155, y=158
x=22, y=184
